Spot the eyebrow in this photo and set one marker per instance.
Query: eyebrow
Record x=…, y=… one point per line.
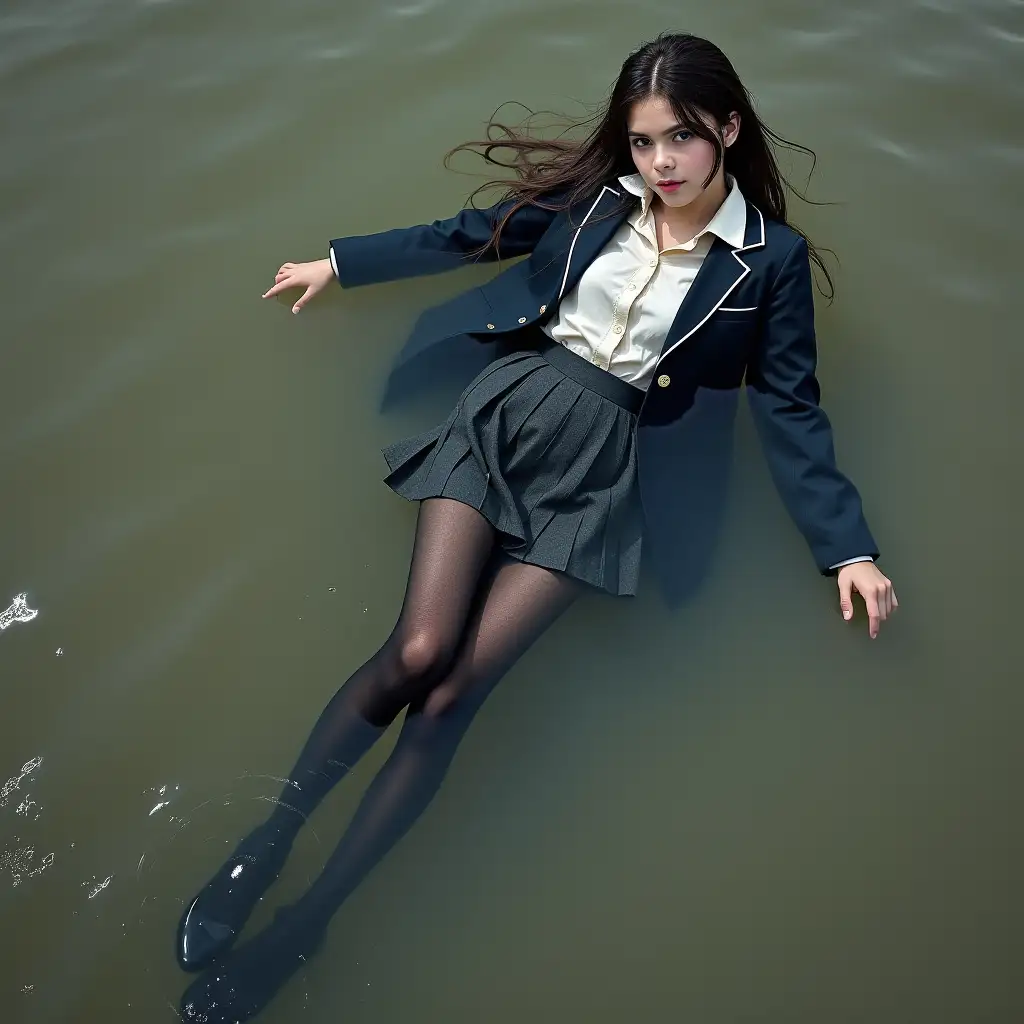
x=670, y=131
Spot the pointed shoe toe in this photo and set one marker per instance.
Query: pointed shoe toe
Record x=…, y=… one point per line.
x=201, y=939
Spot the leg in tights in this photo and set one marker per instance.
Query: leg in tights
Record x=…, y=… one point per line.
x=451, y=551
x=520, y=603
x=516, y=604
x=452, y=547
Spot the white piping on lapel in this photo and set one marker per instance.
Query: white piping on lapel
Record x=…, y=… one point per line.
x=714, y=309
x=568, y=262
x=736, y=309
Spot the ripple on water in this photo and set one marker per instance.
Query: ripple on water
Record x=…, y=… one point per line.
x=344, y=52
x=412, y=10
x=1004, y=152
x=96, y=886
x=914, y=65
x=902, y=150
x=1004, y=35
x=22, y=864
x=21, y=860
x=14, y=783
x=816, y=39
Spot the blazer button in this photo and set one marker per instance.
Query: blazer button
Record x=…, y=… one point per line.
x=522, y=319
x=543, y=309
x=490, y=327
x=664, y=380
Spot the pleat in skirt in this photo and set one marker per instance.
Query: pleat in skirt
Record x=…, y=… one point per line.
x=543, y=444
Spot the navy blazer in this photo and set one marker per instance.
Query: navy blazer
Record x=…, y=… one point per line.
x=748, y=318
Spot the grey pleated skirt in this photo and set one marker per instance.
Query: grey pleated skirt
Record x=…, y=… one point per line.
x=542, y=443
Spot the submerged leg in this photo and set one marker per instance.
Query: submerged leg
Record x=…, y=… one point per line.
x=452, y=546
x=518, y=602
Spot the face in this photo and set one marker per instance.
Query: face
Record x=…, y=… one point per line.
x=664, y=151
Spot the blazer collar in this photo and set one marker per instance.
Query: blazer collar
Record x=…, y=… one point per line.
x=592, y=223
x=720, y=274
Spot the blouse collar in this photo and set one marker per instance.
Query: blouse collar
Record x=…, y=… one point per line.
x=729, y=222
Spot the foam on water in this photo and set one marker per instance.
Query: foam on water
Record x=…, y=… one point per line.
x=18, y=611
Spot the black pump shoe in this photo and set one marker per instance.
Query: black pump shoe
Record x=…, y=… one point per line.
x=247, y=978
x=213, y=920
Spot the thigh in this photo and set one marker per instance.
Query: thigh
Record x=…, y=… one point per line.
x=452, y=547
x=514, y=605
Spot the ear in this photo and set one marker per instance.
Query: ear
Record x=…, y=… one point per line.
x=731, y=129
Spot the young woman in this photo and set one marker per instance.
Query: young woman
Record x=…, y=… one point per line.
x=660, y=263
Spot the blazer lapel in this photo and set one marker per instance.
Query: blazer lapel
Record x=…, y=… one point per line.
x=720, y=273
x=591, y=225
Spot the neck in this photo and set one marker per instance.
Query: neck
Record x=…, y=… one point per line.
x=690, y=220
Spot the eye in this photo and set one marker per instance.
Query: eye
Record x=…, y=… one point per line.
x=639, y=142
x=683, y=136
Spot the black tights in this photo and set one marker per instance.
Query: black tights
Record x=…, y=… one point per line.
x=469, y=613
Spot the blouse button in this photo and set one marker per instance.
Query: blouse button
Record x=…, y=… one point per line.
x=490, y=327
x=617, y=329
x=664, y=380
x=522, y=319
x=654, y=263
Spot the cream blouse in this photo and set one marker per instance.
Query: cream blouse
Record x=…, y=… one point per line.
x=618, y=315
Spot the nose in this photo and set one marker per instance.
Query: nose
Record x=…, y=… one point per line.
x=662, y=161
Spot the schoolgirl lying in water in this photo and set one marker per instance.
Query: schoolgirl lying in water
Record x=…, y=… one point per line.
x=660, y=261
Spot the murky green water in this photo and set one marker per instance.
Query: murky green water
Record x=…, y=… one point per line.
x=741, y=811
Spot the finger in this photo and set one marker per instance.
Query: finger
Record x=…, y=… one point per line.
x=276, y=289
x=888, y=599
x=304, y=298
x=871, y=603
x=895, y=603
x=883, y=604
x=286, y=266
x=846, y=599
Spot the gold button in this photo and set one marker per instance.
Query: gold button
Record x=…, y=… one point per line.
x=543, y=309
x=490, y=327
x=522, y=319
x=664, y=380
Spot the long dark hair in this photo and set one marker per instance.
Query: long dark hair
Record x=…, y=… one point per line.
x=694, y=76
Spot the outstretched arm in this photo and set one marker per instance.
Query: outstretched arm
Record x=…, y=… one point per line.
x=420, y=250
x=442, y=245
x=797, y=439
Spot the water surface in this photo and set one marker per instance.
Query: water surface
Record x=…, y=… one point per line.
x=740, y=811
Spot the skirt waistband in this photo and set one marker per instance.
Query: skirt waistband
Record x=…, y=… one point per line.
x=625, y=395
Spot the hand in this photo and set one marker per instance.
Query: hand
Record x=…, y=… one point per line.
x=314, y=277
x=876, y=589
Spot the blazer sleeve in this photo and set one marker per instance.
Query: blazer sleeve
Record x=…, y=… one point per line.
x=795, y=432
x=442, y=245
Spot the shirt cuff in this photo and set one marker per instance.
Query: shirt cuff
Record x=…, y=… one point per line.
x=334, y=262
x=850, y=561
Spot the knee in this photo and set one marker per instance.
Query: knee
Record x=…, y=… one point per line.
x=455, y=697
x=422, y=656
x=411, y=663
